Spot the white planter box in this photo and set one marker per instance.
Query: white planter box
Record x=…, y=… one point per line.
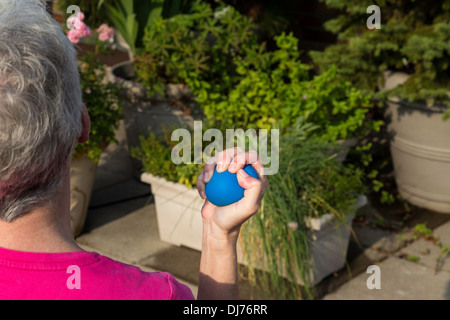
x=178, y=211
x=329, y=248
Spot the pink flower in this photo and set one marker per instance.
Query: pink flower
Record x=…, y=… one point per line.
x=80, y=15
x=79, y=30
x=73, y=36
x=87, y=31
x=293, y=225
x=74, y=23
x=105, y=32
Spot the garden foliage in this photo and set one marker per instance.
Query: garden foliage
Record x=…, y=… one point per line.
x=414, y=38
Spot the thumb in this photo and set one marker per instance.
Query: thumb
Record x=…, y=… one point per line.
x=253, y=191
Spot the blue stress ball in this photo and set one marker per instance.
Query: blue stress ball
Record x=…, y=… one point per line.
x=223, y=188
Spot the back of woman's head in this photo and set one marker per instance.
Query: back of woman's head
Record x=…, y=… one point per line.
x=40, y=106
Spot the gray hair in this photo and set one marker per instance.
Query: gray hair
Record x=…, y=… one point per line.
x=40, y=106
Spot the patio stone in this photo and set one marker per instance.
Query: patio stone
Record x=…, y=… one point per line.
x=392, y=242
x=427, y=254
x=124, y=190
x=443, y=233
x=400, y=280
x=133, y=237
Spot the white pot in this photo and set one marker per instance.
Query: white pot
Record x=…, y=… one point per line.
x=178, y=211
x=82, y=177
x=420, y=148
x=329, y=246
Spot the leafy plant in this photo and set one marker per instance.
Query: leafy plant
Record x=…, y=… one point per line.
x=155, y=154
x=309, y=184
x=196, y=48
x=280, y=90
x=103, y=104
x=238, y=83
x=413, y=258
x=414, y=38
x=273, y=89
x=100, y=97
x=132, y=17
x=422, y=231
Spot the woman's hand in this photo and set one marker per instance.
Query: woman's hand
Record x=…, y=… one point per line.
x=225, y=221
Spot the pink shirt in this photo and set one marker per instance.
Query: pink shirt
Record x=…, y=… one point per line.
x=81, y=275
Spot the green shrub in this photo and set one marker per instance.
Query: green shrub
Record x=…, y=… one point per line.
x=198, y=46
x=274, y=89
x=239, y=84
x=154, y=153
x=414, y=38
x=103, y=104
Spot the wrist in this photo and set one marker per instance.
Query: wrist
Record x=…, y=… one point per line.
x=218, y=264
x=217, y=239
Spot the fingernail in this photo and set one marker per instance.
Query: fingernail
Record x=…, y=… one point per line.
x=206, y=177
x=202, y=194
x=243, y=173
x=219, y=167
x=232, y=166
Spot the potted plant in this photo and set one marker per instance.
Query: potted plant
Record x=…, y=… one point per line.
x=177, y=202
x=302, y=232
x=102, y=101
x=317, y=194
x=405, y=63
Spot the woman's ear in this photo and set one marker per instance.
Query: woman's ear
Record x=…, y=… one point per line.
x=86, y=122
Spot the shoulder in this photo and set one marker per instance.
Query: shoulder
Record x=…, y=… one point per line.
x=124, y=281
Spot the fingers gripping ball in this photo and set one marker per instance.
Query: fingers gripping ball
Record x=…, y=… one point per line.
x=223, y=188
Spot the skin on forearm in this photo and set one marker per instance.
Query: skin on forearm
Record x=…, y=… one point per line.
x=218, y=278
x=218, y=265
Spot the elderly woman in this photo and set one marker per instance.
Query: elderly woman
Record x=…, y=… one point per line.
x=42, y=118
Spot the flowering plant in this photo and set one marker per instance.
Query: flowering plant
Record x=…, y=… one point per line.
x=101, y=98
x=77, y=28
x=105, y=32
